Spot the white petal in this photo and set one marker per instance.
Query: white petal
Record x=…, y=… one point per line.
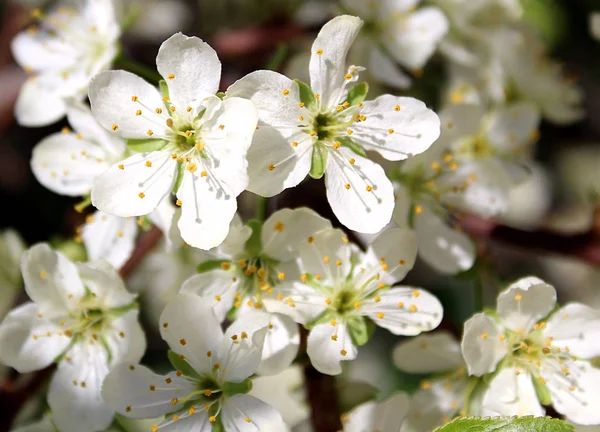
x=242, y=346
x=113, y=103
x=327, y=255
x=297, y=300
x=395, y=250
x=137, y=188
x=102, y=280
x=428, y=353
x=110, y=238
x=577, y=326
x=385, y=70
x=513, y=127
x=38, y=104
x=125, y=339
x=328, y=57
x=384, y=416
x=38, y=51
x=405, y=311
x=281, y=345
x=218, y=288
x=460, y=120
x=432, y=407
x=24, y=338
x=238, y=409
x=51, y=280
x=128, y=385
x=326, y=354
x=481, y=345
x=525, y=302
x=396, y=127
x=235, y=241
x=368, y=204
x=193, y=341
x=511, y=394
x=445, y=249
x=190, y=67
x=74, y=393
x=284, y=230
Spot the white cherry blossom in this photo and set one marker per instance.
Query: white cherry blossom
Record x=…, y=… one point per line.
x=191, y=142
x=325, y=129
x=62, y=51
x=211, y=377
x=344, y=293
x=82, y=317
x=541, y=353
x=384, y=416
x=595, y=25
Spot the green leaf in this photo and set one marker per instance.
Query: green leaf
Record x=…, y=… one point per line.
x=254, y=243
x=207, y=266
x=318, y=161
x=542, y=391
x=146, y=145
x=221, y=95
x=358, y=93
x=181, y=365
x=306, y=95
x=179, y=179
x=347, y=142
x=354, y=393
x=361, y=329
x=231, y=389
x=506, y=424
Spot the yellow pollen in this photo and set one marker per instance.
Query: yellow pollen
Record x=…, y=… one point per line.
x=281, y=275
x=501, y=338
x=138, y=113
x=152, y=388
x=380, y=315
x=351, y=160
x=192, y=168
x=400, y=305
x=207, y=392
x=369, y=188
x=348, y=76
x=377, y=299
x=212, y=419
x=301, y=104
x=334, y=338
x=349, y=131
x=271, y=167
x=121, y=166
x=148, y=164
x=158, y=110
x=149, y=133
x=278, y=227
x=412, y=308
x=226, y=265
x=178, y=203
x=134, y=98
x=333, y=322
x=319, y=52
x=170, y=122
x=141, y=194
x=416, y=293
x=294, y=143
x=390, y=131
x=418, y=209
x=171, y=76
x=397, y=108
x=285, y=92
x=248, y=420
x=484, y=336
x=313, y=133
x=518, y=297
x=337, y=145
x=115, y=126
x=347, y=186
x=343, y=352
x=183, y=342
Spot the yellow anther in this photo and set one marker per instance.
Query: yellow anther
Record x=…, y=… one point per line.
x=212, y=419
x=356, y=305
x=279, y=227
x=333, y=322
x=148, y=164
x=138, y=112
x=348, y=76
x=158, y=110
x=319, y=51
x=285, y=92
x=281, y=275
x=343, y=352
x=416, y=293
x=347, y=186
x=369, y=188
x=115, y=126
x=484, y=336
x=183, y=342
x=192, y=167
x=412, y=308
x=352, y=161
x=149, y=132
x=418, y=209
x=152, y=388
x=141, y=194
x=397, y=108
x=334, y=338
x=271, y=167
x=349, y=131
x=390, y=131
x=171, y=76
x=518, y=297
x=380, y=315
x=337, y=145
x=170, y=122
x=226, y=265
x=294, y=143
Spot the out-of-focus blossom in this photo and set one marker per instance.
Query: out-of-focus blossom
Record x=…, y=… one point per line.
x=156, y=20
x=595, y=25
x=385, y=416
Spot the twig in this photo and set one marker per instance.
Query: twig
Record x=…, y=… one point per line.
x=145, y=244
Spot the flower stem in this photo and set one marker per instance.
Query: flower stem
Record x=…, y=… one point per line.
x=262, y=205
x=138, y=69
x=278, y=57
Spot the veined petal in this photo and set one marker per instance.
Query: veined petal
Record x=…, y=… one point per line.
x=326, y=255
x=190, y=67
x=51, y=280
x=110, y=238
x=67, y=165
x=244, y=413
x=384, y=416
x=511, y=393
x=126, y=340
x=328, y=57
x=360, y=194
x=513, y=127
x=105, y=283
x=297, y=300
x=428, y=353
x=135, y=186
x=284, y=231
x=328, y=345
x=404, y=311
x=281, y=345
x=395, y=250
x=577, y=326
x=116, y=96
x=127, y=389
x=184, y=422
x=483, y=345
x=525, y=302
x=192, y=341
x=218, y=287
x=24, y=338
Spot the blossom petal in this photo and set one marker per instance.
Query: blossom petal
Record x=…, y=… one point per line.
x=103, y=281
x=360, y=194
x=127, y=389
x=126, y=340
x=135, y=186
x=193, y=341
x=326, y=255
x=244, y=413
x=110, y=238
x=190, y=67
x=428, y=353
x=116, y=96
x=395, y=250
x=281, y=345
x=24, y=338
x=39, y=104
x=385, y=416
x=299, y=301
x=328, y=345
x=511, y=393
x=525, y=302
x=218, y=287
x=514, y=126
x=575, y=325
x=236, y=239
x=328, y=57
x=483, y=345
x=433, y=406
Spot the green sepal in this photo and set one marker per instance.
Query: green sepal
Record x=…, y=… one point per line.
x=325, y=317
x=231, y=389
x=354, y=393
x=122, y=310
x=179, y=179
x=221, y=95
x=358, y=93
x=210, y=265
x=471, y=390
x=253, y=245
x=181, y=365
x=217, y=426
x=595, y=362
x=347, y=142
x=164, y=91
x=542, y=392
x=506, y=424
x=306, y=95
x=146, y=145
x=318, y=161
x=360, y=328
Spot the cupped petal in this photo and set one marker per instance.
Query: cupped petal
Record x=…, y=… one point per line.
x=326, y=256
x=384, y=416
x=126, y=340
x=283, y=232
x=110, y=238
x=525, y=302
x=194, y=342
x=103, y=281
x=483, y=344
x=395, y=250
x=511, y=393
x=328, y=345
x=281, y=345
x=190, y=67
x=360, y=194
x=218, y=287
x=51, y=280
x=127, y=390
x=135, y=186
x=116, y=97
x=396, y=127
x=67, y=165
x=513, y=127
x=577, y=326
x=404, y=311
x=445, y=249
x=428, y=353
x=328, y=57
x=30, y=342
x=244, y=413
x=39, y=104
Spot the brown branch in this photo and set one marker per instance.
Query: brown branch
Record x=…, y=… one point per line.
x=145, y=244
